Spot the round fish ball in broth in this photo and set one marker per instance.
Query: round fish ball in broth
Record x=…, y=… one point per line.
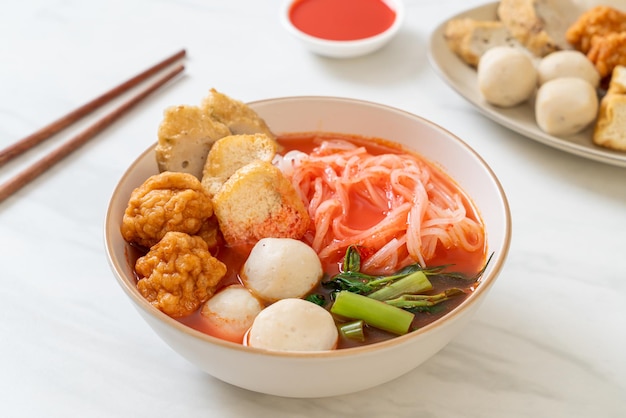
x=280, y=268
x=230, y=312
x=567, y=63
x=506, y=76
x=565, y=106
x=294, y=325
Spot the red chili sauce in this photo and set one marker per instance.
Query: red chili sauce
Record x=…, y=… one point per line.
x=342, y=20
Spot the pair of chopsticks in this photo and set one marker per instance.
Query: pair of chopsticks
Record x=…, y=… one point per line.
x=39, y=167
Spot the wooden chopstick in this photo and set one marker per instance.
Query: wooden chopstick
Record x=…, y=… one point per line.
x=32, y=172
x=46, y=132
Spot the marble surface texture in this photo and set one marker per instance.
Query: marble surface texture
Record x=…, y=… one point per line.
x=550, y=340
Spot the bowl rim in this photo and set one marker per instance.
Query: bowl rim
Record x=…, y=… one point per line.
x=468, y=303
x=396, y=5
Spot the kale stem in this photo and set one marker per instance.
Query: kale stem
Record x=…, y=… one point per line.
x=416, y=282
x=416, y=301
x=374, y=312
x=377, y=281
x=353, y=330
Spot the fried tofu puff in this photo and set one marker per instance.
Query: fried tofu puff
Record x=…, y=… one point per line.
x=178, y=274
x=610, y=129
x=166, y=202
x=258, y=201
x=236, y=115
x=231, y=153
x=187, y=133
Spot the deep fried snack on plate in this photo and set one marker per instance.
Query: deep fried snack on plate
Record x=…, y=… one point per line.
x=165, y=202
x=470, y=39
x=607, y=52
x=597, y=21
x=179, y=274
x=539, y=25
x=610, y=129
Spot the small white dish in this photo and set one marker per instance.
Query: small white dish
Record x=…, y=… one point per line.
x=344, y=48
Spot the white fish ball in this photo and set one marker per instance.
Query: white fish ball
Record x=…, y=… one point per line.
x=565, y=106
x=506, y=76
x=230, y=312
x=280, y=268
x=294, y=325
x=567, y=63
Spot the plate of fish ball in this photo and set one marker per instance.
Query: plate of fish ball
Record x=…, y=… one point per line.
x=519, y=61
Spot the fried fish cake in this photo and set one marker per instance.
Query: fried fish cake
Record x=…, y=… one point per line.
x=236, y=115
x=608, y=52
x=178, y=274
x=470, y=39
x=539, y=25
x=165, y=202
x=186, y=135
x=597, y=21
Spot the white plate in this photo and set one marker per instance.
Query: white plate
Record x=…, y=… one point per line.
x=521, y=119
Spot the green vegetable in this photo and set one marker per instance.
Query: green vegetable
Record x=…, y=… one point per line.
x=374, y=312
x=353, y=330
x=351, y=279
x=352, y=259
x=419, y=301
x=316, y=299
x=439, y=270
x=413, y=283
x=388, y=302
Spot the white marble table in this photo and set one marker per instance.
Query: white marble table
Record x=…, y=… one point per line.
x=549, y=341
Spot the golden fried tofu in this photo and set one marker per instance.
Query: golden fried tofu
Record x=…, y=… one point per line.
x=618, y=80
x=597, y=21
x=610, y=129
x=186, y=135
x=231, y=153
x=165, y=202
x=178, y=274
x=607, y=52
x=236, y=115
x=258, y=201
x=470, y=38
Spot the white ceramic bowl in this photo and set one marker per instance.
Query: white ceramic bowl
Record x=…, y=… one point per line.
x=344, y=49
x=340, y=371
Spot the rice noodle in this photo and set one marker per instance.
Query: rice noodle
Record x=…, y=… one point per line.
x=420, y=208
